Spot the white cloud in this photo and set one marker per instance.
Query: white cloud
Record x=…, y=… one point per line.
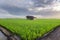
x=48, y=11
x=56, y=6
x=5, y=14
x=17, y=3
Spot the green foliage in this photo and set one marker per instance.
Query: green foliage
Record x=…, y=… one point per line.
x=30, y=29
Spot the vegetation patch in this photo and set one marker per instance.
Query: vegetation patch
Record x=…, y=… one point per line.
x=30, y=29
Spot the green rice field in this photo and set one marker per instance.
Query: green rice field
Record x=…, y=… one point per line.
x=30, y=29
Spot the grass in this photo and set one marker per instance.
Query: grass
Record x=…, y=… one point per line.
x=30, y=29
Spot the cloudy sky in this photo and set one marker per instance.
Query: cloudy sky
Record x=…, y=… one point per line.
x=38, y=8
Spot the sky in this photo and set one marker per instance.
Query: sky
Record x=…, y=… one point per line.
x=22, y=8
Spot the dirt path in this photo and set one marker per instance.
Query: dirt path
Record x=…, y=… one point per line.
x=8, y=34
x=54, y=35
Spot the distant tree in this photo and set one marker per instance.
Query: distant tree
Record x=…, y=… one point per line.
x=30, y=17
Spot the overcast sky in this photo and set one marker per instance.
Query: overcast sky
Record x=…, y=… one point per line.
x=38, y=8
